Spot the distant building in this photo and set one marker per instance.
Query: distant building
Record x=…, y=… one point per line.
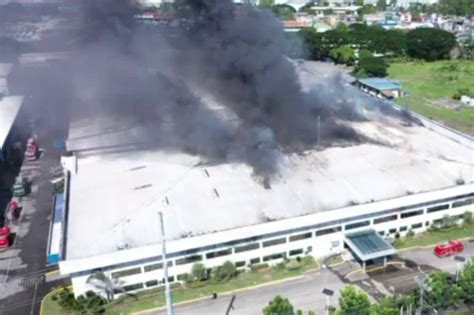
x=408, y=3
x=405, y=17
x=381, y=88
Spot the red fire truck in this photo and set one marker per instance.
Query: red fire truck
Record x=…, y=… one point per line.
x=448, y=248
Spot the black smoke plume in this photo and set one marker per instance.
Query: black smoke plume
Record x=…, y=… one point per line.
x=159, y=77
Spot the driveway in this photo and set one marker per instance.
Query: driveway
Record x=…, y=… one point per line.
x=304, y=293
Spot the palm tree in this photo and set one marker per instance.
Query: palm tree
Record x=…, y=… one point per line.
x=105, y=284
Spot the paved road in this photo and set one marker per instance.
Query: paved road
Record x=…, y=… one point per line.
x=23, y=265
x=304, y=294
x=426, y=257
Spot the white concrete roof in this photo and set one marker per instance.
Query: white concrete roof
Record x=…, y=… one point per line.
x=9, y=108
x=115, y=197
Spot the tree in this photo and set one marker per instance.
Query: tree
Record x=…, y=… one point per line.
x=266, y=3
x=467, y=217
x=466, y=282
x=104, y=284
x=372, y=66
x=353, y=301
x=279, y=306
x=381, y=5
x=343, y=55
x=342, y=27
x=430, y=43
x=442, y=293
x=313, y=42
x=89, y=303
x=456, y=7
x=359, y=3
x=225, y=272
x=367, y=9
x=386, y=306
x=199, y=272
x=284, y=12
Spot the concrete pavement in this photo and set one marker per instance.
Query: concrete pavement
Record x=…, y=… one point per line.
x=303, y=293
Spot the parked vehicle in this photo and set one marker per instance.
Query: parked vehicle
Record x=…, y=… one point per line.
x=19, y=188
x=4, y=237
x=448, y=248
x=32, y=150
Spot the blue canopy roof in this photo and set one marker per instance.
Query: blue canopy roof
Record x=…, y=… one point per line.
x=369, y=245
x=380, y=84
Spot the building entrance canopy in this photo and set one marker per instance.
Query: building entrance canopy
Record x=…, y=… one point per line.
x=368, y=245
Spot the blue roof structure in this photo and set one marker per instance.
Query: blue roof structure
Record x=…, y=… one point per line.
x=381, y=84
x=369, y=245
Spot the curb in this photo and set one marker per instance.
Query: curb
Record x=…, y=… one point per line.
x=233, y=291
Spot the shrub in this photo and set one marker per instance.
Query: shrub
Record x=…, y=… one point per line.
x=460, y=92
x=89, y=303
x=258, y=266
x=299, y=312
x=199, y=272
x=293, y=265
x=225, y=272
x=410, y=233
x=467, y=217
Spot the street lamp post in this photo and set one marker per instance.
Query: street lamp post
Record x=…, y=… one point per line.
x=328, y=293
x=459, y=261
x=169, y=299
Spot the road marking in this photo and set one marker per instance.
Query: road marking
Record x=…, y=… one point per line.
x=34, y=298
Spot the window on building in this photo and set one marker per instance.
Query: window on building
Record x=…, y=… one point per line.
x=273, y=256
x=427, y=223
x=309, y=249
x=240, y=264
x=298, y=237
x=357, y=225
x=170, y=279
x=385, y=219
x=329, y=231
x=126, y=272
x=391, y=231
x=188, y=260
x=463, y=203
x=381, y=233
x=438, y=208
x=403, y=228
x=416, y=225
x=156, y=266
x=182, y=277
x=254, y=261
x=295, y=252
x=274, y=242
x=219, y=253
x=411, y=214
x=247, y=247
x=133, y=287
x=151, y=283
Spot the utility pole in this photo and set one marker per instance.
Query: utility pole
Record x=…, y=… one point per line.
x=319, y=129
x=169, y=299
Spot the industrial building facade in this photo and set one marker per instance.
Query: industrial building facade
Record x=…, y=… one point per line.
x=319, y=235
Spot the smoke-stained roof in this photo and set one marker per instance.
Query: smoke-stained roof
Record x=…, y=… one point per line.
x=115, y=197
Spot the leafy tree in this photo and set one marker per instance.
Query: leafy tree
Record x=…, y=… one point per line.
x=342, y=27
x=105, y=284
x=381, y=5
x=284, y=12
x=353, y=301
x=343, y=55
x=279, y=306
x=266, y=3
x=466, y=282
x=386, y=306
x=313, y=42
x=359, y=3
x=467, y=217
x=367, y=9
x=430, y=43
x=199, y=272
x=372, y=66
x=225, y=272
x=442, y=293
x=456, y=7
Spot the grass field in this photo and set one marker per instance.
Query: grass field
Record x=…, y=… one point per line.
x=152, y=298
x=431, y=82
x=433, y=237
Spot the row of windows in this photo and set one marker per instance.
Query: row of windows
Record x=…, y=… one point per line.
x=292, y=238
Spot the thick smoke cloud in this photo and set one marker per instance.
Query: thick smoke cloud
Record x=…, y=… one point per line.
x=161, y=77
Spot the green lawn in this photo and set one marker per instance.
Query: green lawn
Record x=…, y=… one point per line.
x=434, y=237
x=428, y=82
x=153, y=298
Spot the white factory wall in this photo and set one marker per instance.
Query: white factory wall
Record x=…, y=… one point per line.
x=317, y=246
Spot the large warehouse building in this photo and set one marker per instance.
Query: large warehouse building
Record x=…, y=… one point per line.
x=408, y=178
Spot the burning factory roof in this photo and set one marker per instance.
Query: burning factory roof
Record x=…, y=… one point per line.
x=115, y=197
